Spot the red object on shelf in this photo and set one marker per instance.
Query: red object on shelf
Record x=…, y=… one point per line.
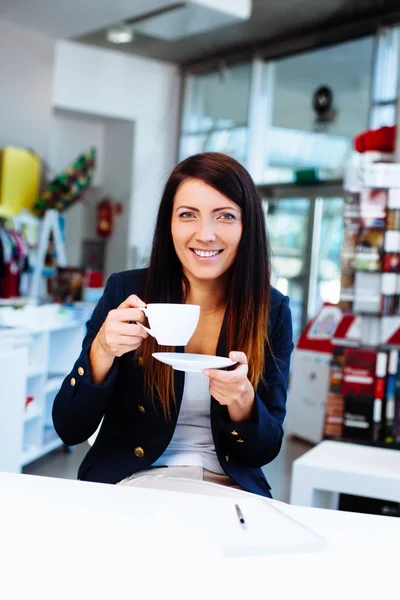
x=318, y=333
x=376, y=140
x=94, y=278
x=348, y=331
x=29, y=399
x=394, y=339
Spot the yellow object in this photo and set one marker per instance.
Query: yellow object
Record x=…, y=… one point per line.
x=19, y=180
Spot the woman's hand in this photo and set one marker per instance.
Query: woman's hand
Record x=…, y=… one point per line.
x=119, y=333
x=233, y=389
x=117, y=336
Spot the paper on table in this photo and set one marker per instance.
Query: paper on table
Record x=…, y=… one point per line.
x=267, y=529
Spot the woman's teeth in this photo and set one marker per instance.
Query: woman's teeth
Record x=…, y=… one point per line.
x=205, y=254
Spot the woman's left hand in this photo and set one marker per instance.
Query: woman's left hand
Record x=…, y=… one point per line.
x=233, y=389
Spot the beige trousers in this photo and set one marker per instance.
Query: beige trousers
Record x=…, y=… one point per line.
x=191, y=479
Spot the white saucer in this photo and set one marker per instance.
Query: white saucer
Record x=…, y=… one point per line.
x=193, y=363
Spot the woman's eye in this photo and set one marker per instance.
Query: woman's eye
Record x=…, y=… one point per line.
x=186, y=215
x=227, y=217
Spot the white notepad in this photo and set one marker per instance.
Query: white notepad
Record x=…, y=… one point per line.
x=266, y=530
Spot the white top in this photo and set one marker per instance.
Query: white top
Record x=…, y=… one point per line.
x=192, y=443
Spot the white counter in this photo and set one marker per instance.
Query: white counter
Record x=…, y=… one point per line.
x=77, y=540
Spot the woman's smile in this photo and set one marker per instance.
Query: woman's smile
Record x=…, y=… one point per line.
x=206, y=255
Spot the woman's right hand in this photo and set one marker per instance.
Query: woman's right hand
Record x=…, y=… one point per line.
x=119, y=333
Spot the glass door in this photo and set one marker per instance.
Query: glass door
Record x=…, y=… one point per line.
x=305, y=228
x=326, y=248
x=288, y=228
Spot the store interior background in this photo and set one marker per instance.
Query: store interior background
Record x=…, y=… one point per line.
x=245, y=89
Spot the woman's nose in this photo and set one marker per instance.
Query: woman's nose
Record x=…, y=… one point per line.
x=206, y=232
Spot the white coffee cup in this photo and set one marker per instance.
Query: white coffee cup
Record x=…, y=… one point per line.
x=171, y=324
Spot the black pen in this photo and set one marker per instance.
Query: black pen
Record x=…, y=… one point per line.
x=240, y=515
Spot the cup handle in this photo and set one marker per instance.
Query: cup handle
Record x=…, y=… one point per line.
x=149, y=331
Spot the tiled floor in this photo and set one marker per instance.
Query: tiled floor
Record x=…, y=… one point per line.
x=279, y=472
x=61, y=464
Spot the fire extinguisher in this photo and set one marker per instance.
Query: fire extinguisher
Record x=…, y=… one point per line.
x=104, y=221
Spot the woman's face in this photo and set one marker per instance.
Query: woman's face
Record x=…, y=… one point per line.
x=206, y=230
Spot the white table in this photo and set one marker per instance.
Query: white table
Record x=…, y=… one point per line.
x=331, y=468
x=70, y=539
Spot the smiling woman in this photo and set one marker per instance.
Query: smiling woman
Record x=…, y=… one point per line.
x=206, y=230
x=210, y=204
x=210, y=249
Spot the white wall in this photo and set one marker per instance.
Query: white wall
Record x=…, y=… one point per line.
x=111, y=84
x=71, y=134
x=26, y=82
x=118, y=144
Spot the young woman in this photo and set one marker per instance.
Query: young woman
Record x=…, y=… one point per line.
x=210, y=248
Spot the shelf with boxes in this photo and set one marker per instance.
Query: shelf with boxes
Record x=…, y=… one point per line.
x=44, y=355
x=363, y=400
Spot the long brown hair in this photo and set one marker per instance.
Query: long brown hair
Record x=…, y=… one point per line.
x=248, y=297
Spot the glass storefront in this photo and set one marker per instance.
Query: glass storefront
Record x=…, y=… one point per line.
x=329, y=248
x=385, y=81
x=287, y=222
x=291, y=122
x=305, y=235
x=302, y=137
x=216, y=112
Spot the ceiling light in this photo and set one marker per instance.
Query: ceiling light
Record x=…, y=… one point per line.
x=120, y=35
x=177, y=20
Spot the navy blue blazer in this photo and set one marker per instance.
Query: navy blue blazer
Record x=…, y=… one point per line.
x=135, y=433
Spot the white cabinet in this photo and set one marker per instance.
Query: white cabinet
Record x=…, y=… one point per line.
x=13, y=363
x=30, y=377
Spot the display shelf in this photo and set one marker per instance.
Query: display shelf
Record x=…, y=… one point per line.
x=35, y=372
x=32, y=414
x=35, y=452
x=363, y=400
x=32, y=434
x=54, y=383
x=30, y=454
x=50, y=436
x=52, y=445
x=57, y=327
